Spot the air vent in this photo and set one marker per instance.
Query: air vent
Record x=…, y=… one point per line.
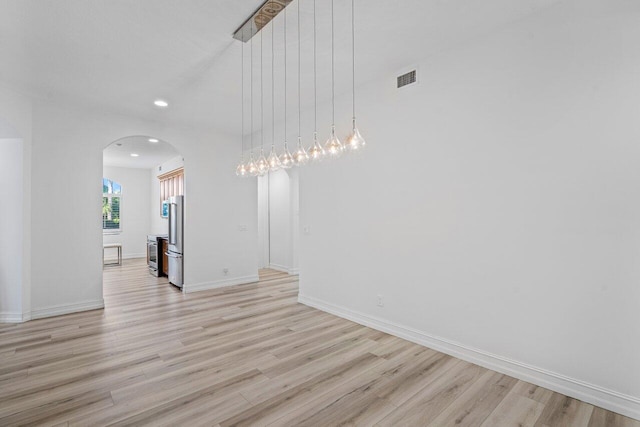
x=407, y=79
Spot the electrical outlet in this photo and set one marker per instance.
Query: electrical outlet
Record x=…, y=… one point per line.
x=225, y=271
x=306, y=230
x=242, y=228
x=380, y=301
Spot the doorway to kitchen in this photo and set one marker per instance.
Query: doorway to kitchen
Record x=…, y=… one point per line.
x=278, y=220
x=14, y=260
x=143, y=189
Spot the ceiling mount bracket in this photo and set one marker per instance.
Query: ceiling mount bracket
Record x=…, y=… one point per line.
x=261, y=17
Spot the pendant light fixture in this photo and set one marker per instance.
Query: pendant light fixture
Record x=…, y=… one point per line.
x=333, y=146
x=263, y=166
x=252, y=167
x=355, y=141
x=300, y=157
x=316, y=152
x=286, y=159
x=241, y=170
x=273, y=160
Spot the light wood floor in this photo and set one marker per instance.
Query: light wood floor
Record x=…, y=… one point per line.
x=248, y=355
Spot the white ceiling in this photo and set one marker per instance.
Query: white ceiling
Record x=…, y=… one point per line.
x=120, y=55
x=149, y=154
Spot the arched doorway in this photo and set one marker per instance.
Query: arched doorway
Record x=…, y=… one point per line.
x=278, y=220
x=11, y=225
x=140, y=174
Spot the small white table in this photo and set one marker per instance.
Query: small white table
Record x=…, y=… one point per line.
x=109, y=246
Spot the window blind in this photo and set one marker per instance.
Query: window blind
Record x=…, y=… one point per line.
x=171, y=184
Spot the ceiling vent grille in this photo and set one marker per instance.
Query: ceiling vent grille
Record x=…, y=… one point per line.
x=407, y=78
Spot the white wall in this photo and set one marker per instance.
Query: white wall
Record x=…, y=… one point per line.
x=220, y=215
x=158, y=224
x=11, y=228
x=67, y=259
x=496, y=208
x=134, y=211
x=67, y=262
x=7, y=132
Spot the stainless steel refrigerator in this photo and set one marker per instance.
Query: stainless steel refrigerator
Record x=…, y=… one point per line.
x=176, y=240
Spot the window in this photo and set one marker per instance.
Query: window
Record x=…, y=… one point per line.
x=111, y=198
x=171, y=184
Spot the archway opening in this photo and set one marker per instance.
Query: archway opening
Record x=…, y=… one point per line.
x=143, y=180
x=278, y=221
x=12, y=223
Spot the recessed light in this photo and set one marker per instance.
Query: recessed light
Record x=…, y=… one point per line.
x=160, y=103
x=153, y=140
x=134, y=155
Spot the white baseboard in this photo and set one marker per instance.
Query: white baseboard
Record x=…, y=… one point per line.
x=590, y=393
x=11, y=317
x=288, y=270
x=223, y=283
x=58, y=310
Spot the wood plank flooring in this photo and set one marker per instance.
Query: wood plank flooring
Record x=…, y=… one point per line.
x=249, y=355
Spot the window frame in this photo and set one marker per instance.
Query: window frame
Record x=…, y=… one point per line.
x=108, y=231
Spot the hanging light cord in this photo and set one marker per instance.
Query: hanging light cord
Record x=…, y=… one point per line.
x=261, y=101
x=251, y=89
x=273, y=104
x=299, y=74
x=333, y=81
x=285, y=77
x=242, y=103
x=353, y=57
x=315, y=79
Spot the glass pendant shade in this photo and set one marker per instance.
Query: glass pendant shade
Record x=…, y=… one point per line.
x=241, y=170
x=261, y=164
x=273, y=160
x=300, y=157
x=355, y=142
x=316, y=152
x=333, y=147
x=252, y=167
x=286, y=159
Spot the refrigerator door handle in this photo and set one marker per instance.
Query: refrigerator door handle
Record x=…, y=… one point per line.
x=172, y=223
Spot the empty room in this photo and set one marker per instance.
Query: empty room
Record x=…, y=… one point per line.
x=320, y=213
